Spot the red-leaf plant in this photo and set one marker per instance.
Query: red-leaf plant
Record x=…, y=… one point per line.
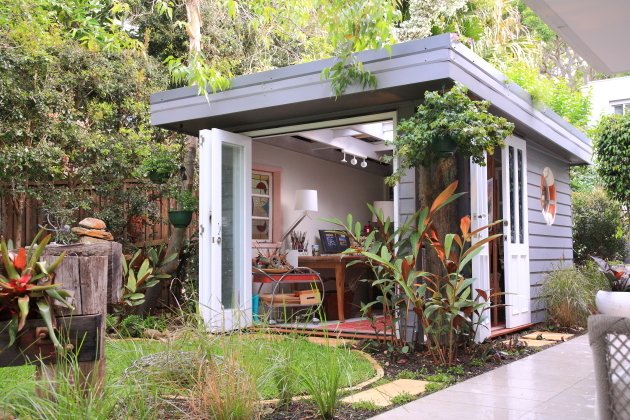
x=444, y=302
x=28, y=283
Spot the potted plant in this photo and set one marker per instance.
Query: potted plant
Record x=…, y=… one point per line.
x=617, y=300
x=444, y=124
x=27, y=287
x=160, y=164
x=182, y=216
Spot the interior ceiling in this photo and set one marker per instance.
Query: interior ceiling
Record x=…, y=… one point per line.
x=367, y=142
x=595, y=29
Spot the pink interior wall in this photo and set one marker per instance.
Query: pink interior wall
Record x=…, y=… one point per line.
x=341, y=188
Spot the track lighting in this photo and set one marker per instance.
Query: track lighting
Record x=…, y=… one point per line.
x=344, y=158
x=354, y=160
x=364, y=163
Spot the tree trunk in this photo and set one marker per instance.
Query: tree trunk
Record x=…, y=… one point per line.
x=176, y=241
x=19, y=203
x=431, y=181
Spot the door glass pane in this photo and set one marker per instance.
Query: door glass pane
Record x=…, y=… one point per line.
x=520, y=204
x=232, y=248
x=510, y=164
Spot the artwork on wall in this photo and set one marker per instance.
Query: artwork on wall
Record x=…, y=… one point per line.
x=548, y=201
x=334, y=241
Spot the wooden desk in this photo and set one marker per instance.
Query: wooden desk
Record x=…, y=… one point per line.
x=335, y=262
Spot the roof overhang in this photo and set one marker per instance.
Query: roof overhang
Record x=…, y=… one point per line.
x=298, y=94
x=594, y=29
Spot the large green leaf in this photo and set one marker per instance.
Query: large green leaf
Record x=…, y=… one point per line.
x=46, y=314
x=8, y=265
x=23, y=302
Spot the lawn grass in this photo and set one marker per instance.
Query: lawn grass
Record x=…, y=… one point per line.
x=256, y=353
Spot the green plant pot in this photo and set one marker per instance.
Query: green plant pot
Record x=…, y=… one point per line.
x=444, y=145
x=180, y=218
x=158, y=177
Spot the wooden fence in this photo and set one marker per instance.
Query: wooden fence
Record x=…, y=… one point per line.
x=149, y=232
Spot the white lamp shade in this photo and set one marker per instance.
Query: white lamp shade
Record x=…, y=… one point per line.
x=306, y=200
x=387, y=207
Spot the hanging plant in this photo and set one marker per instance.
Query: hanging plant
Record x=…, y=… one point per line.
x=444, y=124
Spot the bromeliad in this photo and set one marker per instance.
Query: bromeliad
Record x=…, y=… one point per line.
x=28, y=283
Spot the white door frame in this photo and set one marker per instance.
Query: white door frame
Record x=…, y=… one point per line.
x=481, y=262
x=515, y=233
x=216, y=315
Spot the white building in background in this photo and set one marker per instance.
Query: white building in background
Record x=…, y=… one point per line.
x=609, y=96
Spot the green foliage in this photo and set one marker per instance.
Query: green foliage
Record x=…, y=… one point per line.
x=163, y=160
x=323, y=381
x=365, y=406
x=186, y=200
x=407, y=374
x=584, y=178
x=612, y=152
x=450, y=115
x=569, y=295
x=70, y=397
x=597, y=226
x=133, y=326
x=142, y=272
x=440, y=377
x=434, y=387
x=402, y=398
x=444, y=302
x=571, y=104
x=75, y=115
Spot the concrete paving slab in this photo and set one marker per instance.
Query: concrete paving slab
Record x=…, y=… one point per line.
x=537, y=343
x=382, y=395
x=554, y=384
x=546, y=335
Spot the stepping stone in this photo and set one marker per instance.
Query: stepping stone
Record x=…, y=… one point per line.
x=537, y=343
x=552, y=336
x=332, y=342
x=382, y=395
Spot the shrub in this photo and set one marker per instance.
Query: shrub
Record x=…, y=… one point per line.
x=596, y=226
x=569, y=294
x=133, y=325
x=224, y=391
x=323, y=382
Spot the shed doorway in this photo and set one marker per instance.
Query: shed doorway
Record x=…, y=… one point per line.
x=339, y=159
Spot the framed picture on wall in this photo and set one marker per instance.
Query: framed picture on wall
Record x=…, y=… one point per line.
x=334, y=241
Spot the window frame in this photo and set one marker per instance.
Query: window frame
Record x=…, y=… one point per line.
x=275, y=213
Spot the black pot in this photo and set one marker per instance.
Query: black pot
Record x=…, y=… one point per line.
x=180, y=218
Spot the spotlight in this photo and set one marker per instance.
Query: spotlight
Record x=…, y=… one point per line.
x=344, y=158
x=364, y=163
x=354, y=160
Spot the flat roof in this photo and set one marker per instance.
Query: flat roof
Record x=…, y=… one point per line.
x=298, y=94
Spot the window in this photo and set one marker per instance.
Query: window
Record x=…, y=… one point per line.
x=262, y=206
x=620, y=107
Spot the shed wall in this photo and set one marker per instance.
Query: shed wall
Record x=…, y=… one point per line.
x=549, y=246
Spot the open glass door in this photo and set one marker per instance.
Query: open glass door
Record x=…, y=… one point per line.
x=225, y=230
x=515, y=234
x=479, y=218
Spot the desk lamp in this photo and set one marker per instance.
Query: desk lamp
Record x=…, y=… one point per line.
x=305, y=200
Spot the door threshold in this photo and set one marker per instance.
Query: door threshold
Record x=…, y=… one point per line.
x=500, y=330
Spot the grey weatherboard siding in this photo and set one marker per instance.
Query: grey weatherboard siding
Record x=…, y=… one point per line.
x=297, y=94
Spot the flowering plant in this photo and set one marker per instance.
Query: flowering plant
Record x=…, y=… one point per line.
x=28, y=283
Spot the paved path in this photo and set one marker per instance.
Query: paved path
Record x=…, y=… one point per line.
x=554, y=384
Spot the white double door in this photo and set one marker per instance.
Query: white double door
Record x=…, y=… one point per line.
x=515, y=234
x=225, y=279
